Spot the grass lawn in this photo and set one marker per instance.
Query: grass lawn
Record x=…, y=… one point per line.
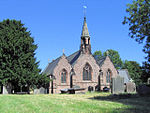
x=78, y=103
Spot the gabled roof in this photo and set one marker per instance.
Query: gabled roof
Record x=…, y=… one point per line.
x=73, y=57
x=100, y=61
x=124, y=73
x=51, y=66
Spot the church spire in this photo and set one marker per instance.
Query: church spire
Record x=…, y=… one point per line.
x=85, y=46
x=85, y=32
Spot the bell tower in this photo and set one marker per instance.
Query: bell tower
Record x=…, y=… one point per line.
x=85, y=46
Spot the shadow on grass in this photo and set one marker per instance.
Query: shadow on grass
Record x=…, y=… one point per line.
x=135, y=103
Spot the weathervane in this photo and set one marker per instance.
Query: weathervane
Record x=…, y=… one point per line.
x=85, y=7
x=84, y=11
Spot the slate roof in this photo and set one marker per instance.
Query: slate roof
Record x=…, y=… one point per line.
x=85, y=32
x=51, y=66
x=124, y=73
x=100, y=61
x=73, y=57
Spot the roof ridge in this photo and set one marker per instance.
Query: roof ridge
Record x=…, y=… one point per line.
x=73, y=57
x=54, y=60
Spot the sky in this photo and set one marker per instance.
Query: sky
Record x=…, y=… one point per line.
x=57, y=25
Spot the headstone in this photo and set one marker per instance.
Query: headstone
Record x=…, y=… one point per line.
x=90, y=88
x=40, y=91
x=148, y=81
x=7, y=89
x=97, y=88
x=117, y=85
x=130, y=87
x=143, y=90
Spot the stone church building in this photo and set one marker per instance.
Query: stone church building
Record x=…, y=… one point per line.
x=87, y=71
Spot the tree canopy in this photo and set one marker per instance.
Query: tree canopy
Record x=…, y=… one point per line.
x=115, y=58
x=98, y=55
x=145, y=72
x=18, y=64
x=138, y=20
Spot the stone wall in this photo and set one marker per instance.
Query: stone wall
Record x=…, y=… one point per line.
x=107, y=65
x=57, y=85
x=78, y=68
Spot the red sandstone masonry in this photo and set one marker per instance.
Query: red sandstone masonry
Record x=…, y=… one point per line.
x=62, y=64
x=78, y=68
x=108, y=65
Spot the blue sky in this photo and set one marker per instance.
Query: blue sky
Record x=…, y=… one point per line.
x=57, y=24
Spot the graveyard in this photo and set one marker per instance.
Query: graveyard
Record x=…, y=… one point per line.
x=75, y=56
x=78, y=103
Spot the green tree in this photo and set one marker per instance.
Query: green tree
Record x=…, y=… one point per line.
x=139, y=24
x=115, y=58
x=98, y=55
x=18, y=64
x=145, y=72
x=135, y=71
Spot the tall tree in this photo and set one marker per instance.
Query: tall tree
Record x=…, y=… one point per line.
x=135, y=71
x=18, y=64
x=145, y=72
x=115, y=57
x=139, y=23
x=97, y=54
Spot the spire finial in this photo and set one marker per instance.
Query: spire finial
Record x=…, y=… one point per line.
x=63, y=51
x=48, y=60
x=85, y=32
x=84, y=11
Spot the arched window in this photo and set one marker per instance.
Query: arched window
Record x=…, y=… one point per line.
x=108, y=76
x=63, y=76
x=87, y=72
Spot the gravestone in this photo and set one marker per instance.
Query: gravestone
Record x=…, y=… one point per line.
x=130, y=87
x=7, y=89
x=90, y=88
x=117, y=85
x=40, y=91
x=97, y=88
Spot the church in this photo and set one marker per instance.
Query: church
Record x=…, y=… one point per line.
x=80, y=69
